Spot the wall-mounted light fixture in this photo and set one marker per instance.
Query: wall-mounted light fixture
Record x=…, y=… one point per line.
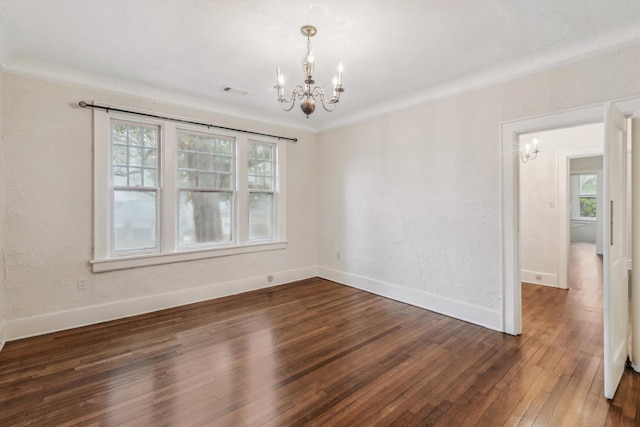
x=530, y=151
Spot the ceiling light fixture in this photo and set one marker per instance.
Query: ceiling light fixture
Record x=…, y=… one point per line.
x=529, y=152
x=307, y=95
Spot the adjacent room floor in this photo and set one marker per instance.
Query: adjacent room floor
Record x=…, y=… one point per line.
x=318, y=353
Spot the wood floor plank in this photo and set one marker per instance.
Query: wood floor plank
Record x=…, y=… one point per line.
x=315, y=353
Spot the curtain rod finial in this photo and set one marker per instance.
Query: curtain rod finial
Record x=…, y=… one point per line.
x=82, y=104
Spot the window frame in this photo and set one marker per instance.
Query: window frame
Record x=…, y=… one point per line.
x=113, y=188
x=169, y=249
x=577, y=195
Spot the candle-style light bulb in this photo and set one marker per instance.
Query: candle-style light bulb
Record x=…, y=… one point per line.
x=279, y=83
x=535, y=144
x=335, y=84
x=340, y=69
x=527, y=148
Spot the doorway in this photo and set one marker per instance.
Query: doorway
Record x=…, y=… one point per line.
x=614, y=168
x=548, y=217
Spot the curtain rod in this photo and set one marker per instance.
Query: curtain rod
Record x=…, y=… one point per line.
x=83, y=104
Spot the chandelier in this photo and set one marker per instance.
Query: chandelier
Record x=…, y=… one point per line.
x=306, y=94
x=529, y=152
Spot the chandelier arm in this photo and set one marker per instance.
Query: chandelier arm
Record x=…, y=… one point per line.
x=318, y=93
x=328, y=104
x=297, y=93
x=333, y=106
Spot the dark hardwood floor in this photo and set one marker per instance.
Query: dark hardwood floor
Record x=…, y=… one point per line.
x=318, y=353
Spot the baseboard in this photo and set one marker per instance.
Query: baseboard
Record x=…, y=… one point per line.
x=457, y=309
x=539, y=278
x=62, y=320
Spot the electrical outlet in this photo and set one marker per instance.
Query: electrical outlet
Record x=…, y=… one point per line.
x=538, y=276
x=338, y=256
x=270, y=278
x=82, y=283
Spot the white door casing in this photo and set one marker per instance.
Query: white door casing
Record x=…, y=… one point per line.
x=635, y=227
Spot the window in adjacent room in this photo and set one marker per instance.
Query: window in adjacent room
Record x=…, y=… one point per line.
x=584, y=188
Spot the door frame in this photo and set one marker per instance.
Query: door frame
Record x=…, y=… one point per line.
x=564, y=215
x=509, y=133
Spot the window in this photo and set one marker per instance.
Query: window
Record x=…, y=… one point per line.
x=588, y=193
x=206, y=183
x=166, y=192
x=584, y=189
x=261, y=165
x=134, y=190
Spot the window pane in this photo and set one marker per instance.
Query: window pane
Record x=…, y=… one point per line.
x=587, y=207
x=149, y=178
x=206, y=145
x=261, y=216
x=224, y=182
x=260, y=166
x=131, y=162
x=119, y=155
x=186, y=160
x=134, y=220
x=205, y=162
x=187, y=142
x=135, y=177
x=186, y=179
x=150, y=138
x=588, y=184
x=119, y=133
x=205, y=217
x=120, y=176
x=211, y=154
x=206, y=180
x=223, y=164
x=224, y=147
x=135, y=135
x=150, y=159
x=135, y=156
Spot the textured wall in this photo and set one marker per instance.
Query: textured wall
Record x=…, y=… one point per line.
x=2, y=207
x=539, y=182
x=49, y=203
x=412, y=198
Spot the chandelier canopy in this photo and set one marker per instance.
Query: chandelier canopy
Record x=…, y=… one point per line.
x=305, y=93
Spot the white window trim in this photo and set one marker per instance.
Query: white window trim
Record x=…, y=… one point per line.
x=103, y=260
x=575, y=198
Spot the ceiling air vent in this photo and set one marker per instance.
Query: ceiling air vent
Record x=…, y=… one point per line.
x=234, y=90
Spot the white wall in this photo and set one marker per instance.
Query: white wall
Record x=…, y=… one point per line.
x=411, y=199
x=2, y=204
x=49, y=201
x=539, y=183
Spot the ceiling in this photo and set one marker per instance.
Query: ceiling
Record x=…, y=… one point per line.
x=396, y=53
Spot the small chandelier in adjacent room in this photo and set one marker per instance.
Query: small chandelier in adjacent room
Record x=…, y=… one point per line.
x=530, y=151
x=306, y=94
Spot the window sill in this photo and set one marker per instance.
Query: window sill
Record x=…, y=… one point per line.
x=102, y=265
